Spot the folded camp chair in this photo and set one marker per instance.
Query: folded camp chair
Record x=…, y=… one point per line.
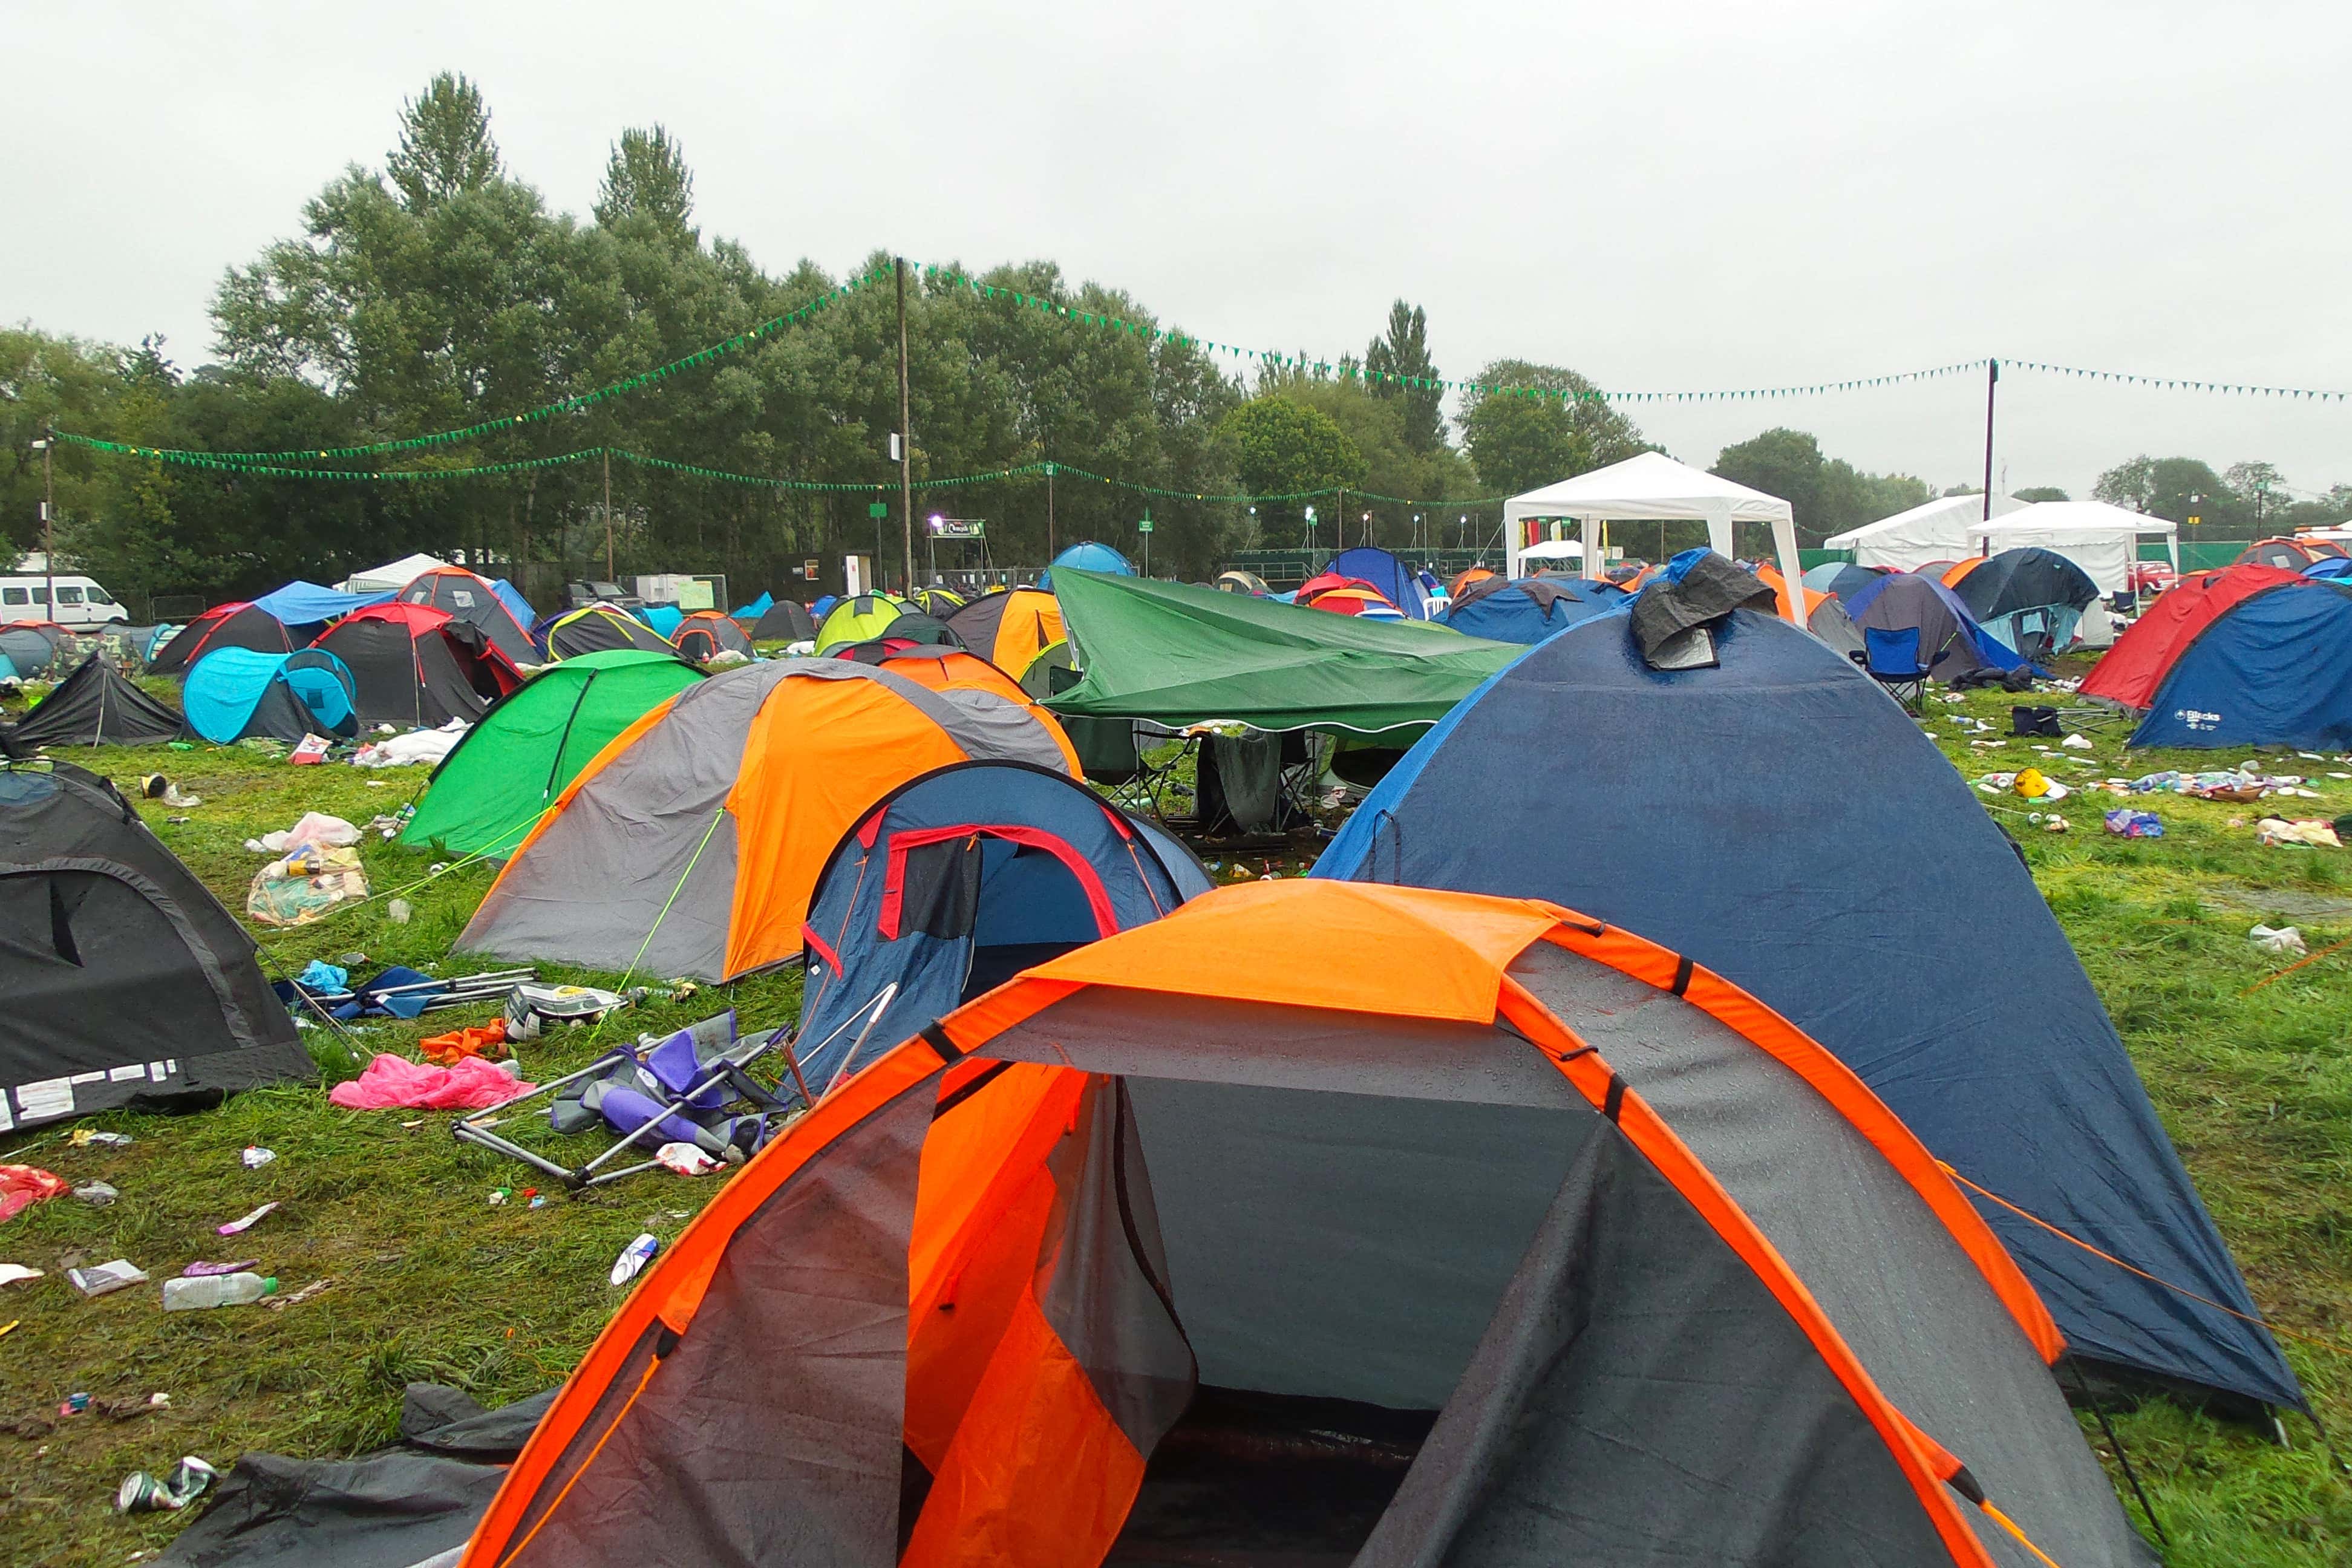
x=1891, y=657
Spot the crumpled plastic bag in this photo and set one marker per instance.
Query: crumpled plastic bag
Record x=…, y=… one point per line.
x=315, y=828
x=416, y=746
x=21, y=1186
x=2125, y=823
x=396, y=1083
x=304, y=885
x=2280, y=938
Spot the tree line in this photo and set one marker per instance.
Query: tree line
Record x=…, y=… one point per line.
x=439, y=290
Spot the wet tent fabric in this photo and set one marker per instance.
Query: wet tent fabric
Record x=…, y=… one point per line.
x=2330, y=569
x=1829, y=623
x=96, y=705
x=301, y=603
x=532, y=742
x=1563, y=1213
x=2028, y=599
x=940, y=603
x=690, y=844
x=1530, y=609
x=232, y=693
x=1339, y=596
x=866, y=616
x=517, y=605
x=1088, y=556
x=756, y=607
x=601, y=628
x=1394, y=581
x=1010, y=629
x=937, y=666
x=2129, y=673
x=705, y=635
x=1845, y=581
x=240, y=624
x=663, y=618
x=786, y=620
x=1950, y=643
x=30, y=650
x=2274, y=670
x=1948, y=988
x=477, y=602
x=127, y=983
x=412, y=664
x=1180, y=654
x=958, y=881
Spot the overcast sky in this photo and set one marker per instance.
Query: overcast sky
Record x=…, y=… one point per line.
x=1662, y=196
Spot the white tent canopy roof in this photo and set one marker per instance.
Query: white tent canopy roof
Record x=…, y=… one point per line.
x=2102, y=540
x=1554, y=550
x=393, y=576
x=2046, y=515
x=1653, y=486
x=1929, y=526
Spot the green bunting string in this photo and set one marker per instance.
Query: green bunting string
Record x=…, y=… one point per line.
x=2178, y=383
x=571, y=405
x=213, y=463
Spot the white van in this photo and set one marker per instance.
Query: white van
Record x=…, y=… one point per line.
x=80, y=601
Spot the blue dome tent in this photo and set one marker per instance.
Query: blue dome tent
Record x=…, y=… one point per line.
x=234, y=692
x=1530, y=609
x=1398, y=584
x=1089, y=556
x=2271, y=671
x=957, y=880
x=1724, y=811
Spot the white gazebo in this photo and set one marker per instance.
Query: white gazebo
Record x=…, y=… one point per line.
x=1652, y=488
x=2103, y=540
x=1939, y=530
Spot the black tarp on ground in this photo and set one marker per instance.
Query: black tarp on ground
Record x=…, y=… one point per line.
x=94, y=706
x=122, y=981
x=389, y=1508
x=223, y=625
x=2024, y=579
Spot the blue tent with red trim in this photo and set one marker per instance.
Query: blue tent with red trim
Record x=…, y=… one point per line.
x=955, y=882
x=1722, y=812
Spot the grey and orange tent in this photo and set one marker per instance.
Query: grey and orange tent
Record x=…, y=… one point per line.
x=688, y=846
x=1010, y=629
x=1439, y=1228
x=706, y=634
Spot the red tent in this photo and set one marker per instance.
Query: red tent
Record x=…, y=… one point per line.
x=2144, y=654
x=1341, y=596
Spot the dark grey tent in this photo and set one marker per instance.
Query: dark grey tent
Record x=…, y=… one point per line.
x=786, y=620
x=96, y=705
x=126, y=983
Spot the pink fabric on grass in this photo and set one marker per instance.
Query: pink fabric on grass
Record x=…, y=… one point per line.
x=396, y=1083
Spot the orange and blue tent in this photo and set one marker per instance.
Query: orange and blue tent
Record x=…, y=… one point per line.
x=1442, y=1228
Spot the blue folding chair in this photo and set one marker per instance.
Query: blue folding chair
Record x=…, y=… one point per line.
x=1891, y=657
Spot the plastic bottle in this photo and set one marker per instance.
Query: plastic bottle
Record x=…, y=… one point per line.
x=216, y=1291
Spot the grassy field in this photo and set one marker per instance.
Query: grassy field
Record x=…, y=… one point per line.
x=429, y=1281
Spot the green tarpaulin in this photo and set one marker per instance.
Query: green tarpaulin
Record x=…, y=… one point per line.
x=1182, y=654
x=533, y=741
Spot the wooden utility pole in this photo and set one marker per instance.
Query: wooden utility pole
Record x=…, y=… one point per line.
x=608, y=517
x=1993, y=380
x=905, y=433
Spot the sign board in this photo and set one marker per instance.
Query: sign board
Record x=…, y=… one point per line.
x=957, y=528
x=809, y=569
x=856, y=576
x=694, y=594
x=1143, y=527
x=878, y=508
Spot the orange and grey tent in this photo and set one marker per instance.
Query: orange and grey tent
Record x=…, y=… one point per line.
x=689, y=845
x=1010, y=631
x=943, y=669
x=1324, y=1222
x=1464, y=578
x=706, y=634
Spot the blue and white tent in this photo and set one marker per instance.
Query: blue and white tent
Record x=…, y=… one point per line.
x=1781, y=822
x=301, y=603
x=1088, y=556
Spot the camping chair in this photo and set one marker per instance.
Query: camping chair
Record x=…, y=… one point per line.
x=1891, y=657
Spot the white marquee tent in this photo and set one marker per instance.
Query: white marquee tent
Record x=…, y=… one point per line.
x=2102, y=540
x=1651, y=488
x=1939, y=530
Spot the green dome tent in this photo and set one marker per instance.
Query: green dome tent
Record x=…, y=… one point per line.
x=532, y=742
x=860, y=619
